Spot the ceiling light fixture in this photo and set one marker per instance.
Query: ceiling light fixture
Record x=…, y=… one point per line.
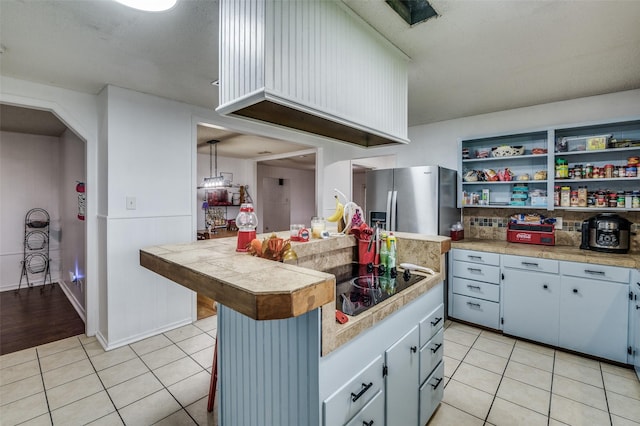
x=213, y=181
x=149, y=5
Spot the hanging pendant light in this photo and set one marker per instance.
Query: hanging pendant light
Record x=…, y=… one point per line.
x=213, y=181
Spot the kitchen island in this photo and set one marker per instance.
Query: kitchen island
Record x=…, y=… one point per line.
x=283, y=359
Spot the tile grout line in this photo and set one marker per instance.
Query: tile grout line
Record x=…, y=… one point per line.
x=165, y=387
x=495, y=395
x=553, y=370
x=604, y=389
x=44, y=388
x=103, y=386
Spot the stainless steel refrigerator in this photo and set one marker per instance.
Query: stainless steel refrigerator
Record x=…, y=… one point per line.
x=413, y=199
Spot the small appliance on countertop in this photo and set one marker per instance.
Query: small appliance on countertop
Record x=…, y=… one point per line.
x=606, y=232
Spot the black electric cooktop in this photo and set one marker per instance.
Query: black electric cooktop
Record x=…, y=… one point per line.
x=359, y=287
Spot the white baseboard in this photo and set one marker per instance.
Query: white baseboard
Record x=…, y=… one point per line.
x=132, y=339
x=74, y=302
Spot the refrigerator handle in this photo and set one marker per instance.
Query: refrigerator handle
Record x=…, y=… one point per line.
x=387, y=224
x=394, y=200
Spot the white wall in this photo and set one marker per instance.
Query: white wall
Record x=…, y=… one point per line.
x=72, y=248
x=149, y=157
x=29, y=176
x=437, y=143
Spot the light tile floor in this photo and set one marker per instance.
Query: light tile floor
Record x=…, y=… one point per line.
x=490, y=380
x=493, y=379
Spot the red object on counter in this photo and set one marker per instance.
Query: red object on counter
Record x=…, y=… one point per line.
x=366, y=256
x=531, y=234
x=457, y=235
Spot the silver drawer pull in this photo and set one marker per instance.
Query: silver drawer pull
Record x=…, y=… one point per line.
x=589, y=271
x=474, y=269
x=470, y=256
x=530, y=264
x=473, y=286
x=473, y=304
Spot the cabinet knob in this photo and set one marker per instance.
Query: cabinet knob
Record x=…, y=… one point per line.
x=414, y=349
x=575, y=290
x=545, y=286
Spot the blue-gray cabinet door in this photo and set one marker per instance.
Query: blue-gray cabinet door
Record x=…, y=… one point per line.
x=401, y=383
x=634, y=321
x=594, y=317
x=531, y=305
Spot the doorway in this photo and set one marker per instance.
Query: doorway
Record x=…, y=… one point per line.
x=42, y=162
x=277, y=204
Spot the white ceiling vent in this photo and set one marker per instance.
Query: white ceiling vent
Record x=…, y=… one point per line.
x=314, y=66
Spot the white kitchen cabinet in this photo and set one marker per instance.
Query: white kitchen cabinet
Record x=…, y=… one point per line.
x=594, y=317
x=531, y=305
x=347, y=401
x=372, y=413
x=634, y=322
x=475, y=287
x=478, y=154
x=383, y=372
x=402, y=373
x=583, y=307
x=431, y=355
x=489, y=154
x=431, y=393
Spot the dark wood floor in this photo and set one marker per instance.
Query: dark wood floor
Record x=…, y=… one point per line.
x=30, y=318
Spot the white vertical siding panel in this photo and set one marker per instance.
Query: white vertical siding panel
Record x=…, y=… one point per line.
x=315, y=53
x=278, y=361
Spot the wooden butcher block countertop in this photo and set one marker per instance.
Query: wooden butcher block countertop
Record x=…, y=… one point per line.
x=258, y=288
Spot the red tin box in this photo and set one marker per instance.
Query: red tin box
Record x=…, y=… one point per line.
x=531, y=234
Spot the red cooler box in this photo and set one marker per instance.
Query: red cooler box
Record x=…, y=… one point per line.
x=531, y=234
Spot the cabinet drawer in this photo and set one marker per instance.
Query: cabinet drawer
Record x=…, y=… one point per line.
x=474, y=271
x=372, y=413
x=477, y=257
x=431, y=393
x=431, y=355
x=431, y=324
x=486, y=291
x=477, y=311
x=531, y=263
x=598, y=272
x=340, y=407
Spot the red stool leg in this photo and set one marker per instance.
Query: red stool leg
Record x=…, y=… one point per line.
x=214, y=378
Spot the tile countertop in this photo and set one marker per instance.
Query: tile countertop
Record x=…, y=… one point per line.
x=569, y=253
x=265, y=290
x=258, y=288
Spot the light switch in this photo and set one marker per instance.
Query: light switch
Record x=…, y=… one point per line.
x=131, y=203
x=558, y=222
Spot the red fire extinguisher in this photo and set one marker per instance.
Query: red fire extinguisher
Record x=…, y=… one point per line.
x=82, y=200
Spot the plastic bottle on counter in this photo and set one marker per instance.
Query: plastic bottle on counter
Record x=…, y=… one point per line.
x=384, y=250
x=391, y=257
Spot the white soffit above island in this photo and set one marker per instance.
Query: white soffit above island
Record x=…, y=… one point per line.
x=313, y=66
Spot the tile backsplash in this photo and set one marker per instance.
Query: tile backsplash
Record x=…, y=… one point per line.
x=491, y=224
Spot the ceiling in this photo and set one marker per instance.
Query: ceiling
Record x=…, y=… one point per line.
x=476, y=57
